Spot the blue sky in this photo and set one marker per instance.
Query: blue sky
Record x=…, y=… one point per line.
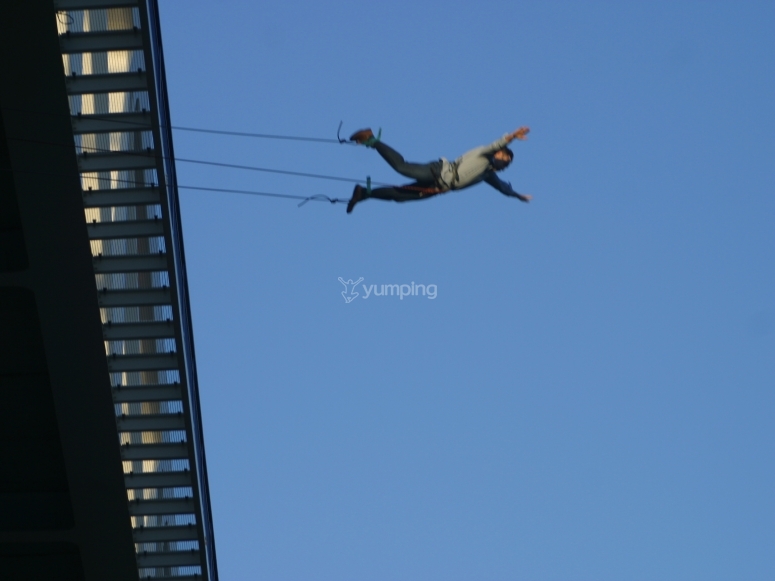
x=590, y=395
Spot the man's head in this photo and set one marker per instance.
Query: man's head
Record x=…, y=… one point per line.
x=502, y=158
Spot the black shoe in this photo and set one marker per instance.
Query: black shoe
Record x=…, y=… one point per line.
x=356, y=197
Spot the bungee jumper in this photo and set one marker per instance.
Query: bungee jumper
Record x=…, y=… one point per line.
x=438, y=177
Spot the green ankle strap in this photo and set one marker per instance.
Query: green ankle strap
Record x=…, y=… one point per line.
x=372, y=141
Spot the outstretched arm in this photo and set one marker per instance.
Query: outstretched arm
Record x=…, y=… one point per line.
x=520, y=134
x=504, y=187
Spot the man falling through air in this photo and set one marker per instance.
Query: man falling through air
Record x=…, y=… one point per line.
x=441, y=176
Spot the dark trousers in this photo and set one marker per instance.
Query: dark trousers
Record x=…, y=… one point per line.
x=424, y=175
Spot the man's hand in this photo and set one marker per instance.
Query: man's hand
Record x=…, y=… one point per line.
x=525, y=197
x=520, y=134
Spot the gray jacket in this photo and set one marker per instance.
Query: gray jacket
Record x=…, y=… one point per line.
x=471, y=168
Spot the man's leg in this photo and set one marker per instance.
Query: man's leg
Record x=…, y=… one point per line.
x=422, y=172
x=407, y=193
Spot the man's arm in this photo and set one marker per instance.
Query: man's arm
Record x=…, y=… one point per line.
x=504, y=187
x=520, y=134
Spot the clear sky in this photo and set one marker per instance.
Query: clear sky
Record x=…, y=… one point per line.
x=590, y=394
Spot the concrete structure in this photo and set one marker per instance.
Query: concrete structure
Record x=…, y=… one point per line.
x=102, y=465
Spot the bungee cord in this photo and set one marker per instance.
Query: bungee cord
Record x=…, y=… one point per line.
x=126, y=182
x=260, y=135
x=304, y=199
x=110, y=117
x=277, y=171
x=86, y=150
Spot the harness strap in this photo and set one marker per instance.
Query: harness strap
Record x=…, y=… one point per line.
x=432, y=191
